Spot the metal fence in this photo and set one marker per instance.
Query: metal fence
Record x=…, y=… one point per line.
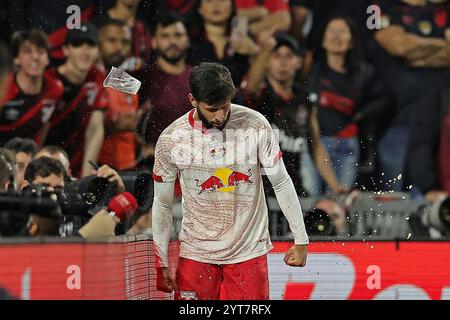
x=372, y=216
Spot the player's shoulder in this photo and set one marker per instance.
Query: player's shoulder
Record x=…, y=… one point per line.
x=249, y=116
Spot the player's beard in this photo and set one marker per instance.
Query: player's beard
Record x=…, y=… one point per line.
x=209, y=125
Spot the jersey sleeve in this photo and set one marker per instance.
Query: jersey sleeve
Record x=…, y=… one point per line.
x=164, y=169
x=269, y=148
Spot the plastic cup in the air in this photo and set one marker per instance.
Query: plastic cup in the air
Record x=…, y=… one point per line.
x=120, y=80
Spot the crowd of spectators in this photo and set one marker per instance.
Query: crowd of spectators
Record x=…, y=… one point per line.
x=356, y=107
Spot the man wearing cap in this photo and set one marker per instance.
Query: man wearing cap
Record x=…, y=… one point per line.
x=270, y=88
x=77, y=124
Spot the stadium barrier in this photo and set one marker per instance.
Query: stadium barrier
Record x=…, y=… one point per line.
x=56, y=268
x=123, y=268
x=372, y=216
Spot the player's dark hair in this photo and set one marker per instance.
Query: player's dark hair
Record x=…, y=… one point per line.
x=164, y=19
x=211, y=83
x=24, y=145
x=35, y=36
x=44, y=167
x=5, y=60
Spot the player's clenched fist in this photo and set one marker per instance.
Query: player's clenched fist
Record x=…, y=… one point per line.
x=165, y=281
x=296, y=256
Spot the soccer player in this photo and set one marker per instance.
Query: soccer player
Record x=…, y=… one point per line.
x=77, y=124
x=219, y=151
x=32, y=96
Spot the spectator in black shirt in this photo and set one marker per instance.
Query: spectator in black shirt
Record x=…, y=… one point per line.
x=428, y=159
x=210, y=26
x=412, y=48
x=347, y=93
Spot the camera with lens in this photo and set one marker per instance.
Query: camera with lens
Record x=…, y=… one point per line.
x=74, y=205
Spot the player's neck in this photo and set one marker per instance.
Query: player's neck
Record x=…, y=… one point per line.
x=282, y=89
x=122, y=12
x=74, y=75
x=336, y=62
x=169, y=68
x=29, y=85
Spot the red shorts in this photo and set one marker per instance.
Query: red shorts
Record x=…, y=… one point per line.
x=247, y=280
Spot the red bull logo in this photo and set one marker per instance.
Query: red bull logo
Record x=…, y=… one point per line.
x=224, y=180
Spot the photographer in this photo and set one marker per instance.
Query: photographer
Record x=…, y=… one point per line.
x=23, y=151
x=44, y=173
x=49, y=174
x=7, y=169
x=57, y=153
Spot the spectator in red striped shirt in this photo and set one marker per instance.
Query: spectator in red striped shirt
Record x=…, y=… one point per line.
x=77, y=125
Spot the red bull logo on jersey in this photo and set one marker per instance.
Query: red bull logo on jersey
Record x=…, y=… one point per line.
x=224, y=180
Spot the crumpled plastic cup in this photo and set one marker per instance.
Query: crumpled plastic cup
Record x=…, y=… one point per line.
x=120, y=80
